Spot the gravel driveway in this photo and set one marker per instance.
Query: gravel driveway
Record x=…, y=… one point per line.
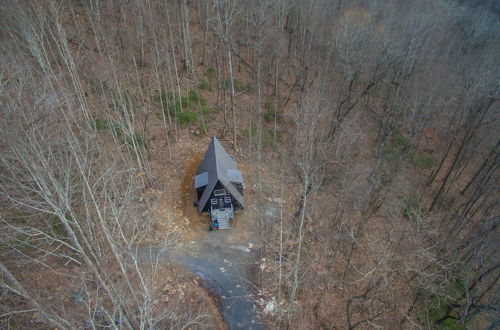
x=227, y=269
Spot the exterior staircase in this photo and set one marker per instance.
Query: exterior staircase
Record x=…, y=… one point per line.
x=223, y=220
x=222, y=216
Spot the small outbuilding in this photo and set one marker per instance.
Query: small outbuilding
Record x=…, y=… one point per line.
x=219, y=186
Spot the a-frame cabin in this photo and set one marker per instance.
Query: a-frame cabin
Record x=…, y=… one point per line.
x=219, y=186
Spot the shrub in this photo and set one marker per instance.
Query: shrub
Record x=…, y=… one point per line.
x=270, y=114
x=250, y=131
x=101, y=124
x=392, y=152
x=204, y=85
x=163, y=98
x=116, y=129
x=400, y=142
x=176, y=104
x=211, y=73
x=129, y=97
x=194, y=99
x=239, y=87
x=225, y=84
x=187, y=117
x=135, y=141
x=414, y=209
x=437, y=307
x=185, y=108
x=267, y=136
x=397, y=146
x=424, y=160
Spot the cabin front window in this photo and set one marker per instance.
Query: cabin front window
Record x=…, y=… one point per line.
x=219, y=192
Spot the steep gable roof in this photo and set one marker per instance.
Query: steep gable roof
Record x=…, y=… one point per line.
x=217, y=163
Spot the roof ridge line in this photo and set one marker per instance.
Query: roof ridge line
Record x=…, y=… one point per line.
x=214, y=139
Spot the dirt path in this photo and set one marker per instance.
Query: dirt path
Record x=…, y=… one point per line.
x=227, y=269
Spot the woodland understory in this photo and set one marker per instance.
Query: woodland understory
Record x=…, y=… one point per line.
x=374, y=124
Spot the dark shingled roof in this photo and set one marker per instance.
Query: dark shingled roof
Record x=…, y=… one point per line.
x=220, y=166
